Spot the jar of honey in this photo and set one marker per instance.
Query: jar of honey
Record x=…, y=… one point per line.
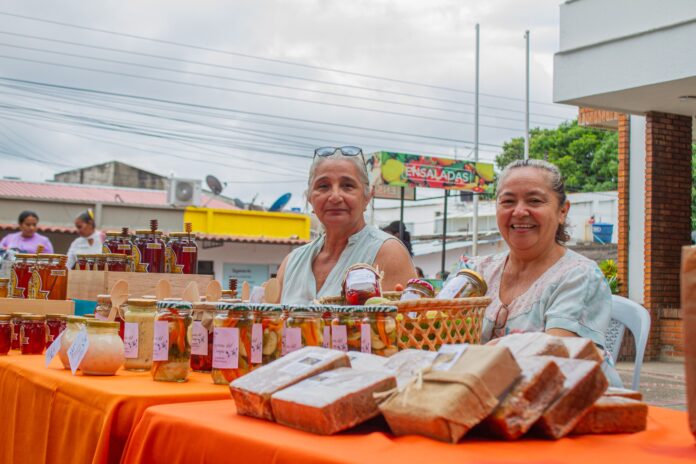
x=16, y=319
x=20, y=275
x=5, y=333
x=118, y=242
x=49, y=279
x=4, y=287
x=149, y=251
x=32, y=334
x=182, y=253
x=55, y=324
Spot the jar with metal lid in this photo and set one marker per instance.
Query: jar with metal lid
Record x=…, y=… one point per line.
x=74, y=325
x=20, y=274
x=268, y=323
x=182, y=253
x=16, y=319
x=171, y=354
x=139, y=333
x=231, y=342
x=465, y=284
x=118, y=242
x=116, y=262
x=4, y=287
x=104, y=354
x=377, y=329
x=32, y=334
x=202, y=329
x=49, y=280
x=304, y=326
x=5, y=333
x=149, y=251
x=361, y=283
x=345, y=328
x=55, y=324
x=417, y=289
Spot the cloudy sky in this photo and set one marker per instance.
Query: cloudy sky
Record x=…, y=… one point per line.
x=245, y=90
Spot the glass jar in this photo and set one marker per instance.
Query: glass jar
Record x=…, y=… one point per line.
x=304, y=326
x=98, y=262
x=5, y=333
x=172, y=347
x=345, y=329
x=49, y=280
x=91, y=262
x=74, y=325
x=4, y=287
x=268, y=321
x=231, y=342
x=378, y=329
x=182, y=253
x=103, y=310
x=104, y=354
x=202, y=336
x=20, y=275
x=465, y=284
x=118, y=242
x=55, y=324
x=116, y=262
x=139, y=333
x=32, y=334
x=148, y=251
x=417, y=289
x=16, y=319
x=81, y=263
x=361, y=283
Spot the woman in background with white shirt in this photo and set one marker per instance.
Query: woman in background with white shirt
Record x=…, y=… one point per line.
x=89, y=241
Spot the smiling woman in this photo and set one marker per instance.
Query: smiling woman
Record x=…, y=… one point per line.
x=339, y=194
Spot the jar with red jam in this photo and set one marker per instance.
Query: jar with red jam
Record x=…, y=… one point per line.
x=55, y=324
x=81, y=263
x=4, y=287
x=98, y=262
x=32, y=334
x=5, y=333
x=118, y=242
x=182, y=253
x=116, y=262
x=361, y=283
x=149, y=253
x=16, y=319
x=20, y=275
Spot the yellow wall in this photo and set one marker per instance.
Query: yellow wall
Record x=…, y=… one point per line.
x=248, y=223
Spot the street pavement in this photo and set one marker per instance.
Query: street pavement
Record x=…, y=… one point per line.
x=662, y=383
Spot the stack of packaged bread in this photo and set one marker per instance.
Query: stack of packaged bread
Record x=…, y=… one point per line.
x=525, y=384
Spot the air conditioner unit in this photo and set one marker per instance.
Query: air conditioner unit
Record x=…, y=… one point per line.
x=184, y=192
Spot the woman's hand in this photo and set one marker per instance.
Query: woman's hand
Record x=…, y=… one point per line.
x=393, y=259
x=561, y=333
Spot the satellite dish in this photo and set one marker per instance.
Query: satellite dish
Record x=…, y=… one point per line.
x=280, y=203
x=214, y=184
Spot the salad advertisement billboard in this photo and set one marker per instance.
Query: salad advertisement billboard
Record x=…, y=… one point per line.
x=404, y=170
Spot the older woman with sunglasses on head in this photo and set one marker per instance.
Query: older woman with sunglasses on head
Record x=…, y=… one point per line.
x=339, y=193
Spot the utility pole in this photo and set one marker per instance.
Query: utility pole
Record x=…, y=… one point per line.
x=526, y=98
x=474, y=225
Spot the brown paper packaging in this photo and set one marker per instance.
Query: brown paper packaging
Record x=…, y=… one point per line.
x=446, y=404
x=688, y=306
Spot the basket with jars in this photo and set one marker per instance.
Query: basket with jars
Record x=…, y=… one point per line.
x=423, y=319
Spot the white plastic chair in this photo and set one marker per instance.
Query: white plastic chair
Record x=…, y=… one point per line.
x=628, y=314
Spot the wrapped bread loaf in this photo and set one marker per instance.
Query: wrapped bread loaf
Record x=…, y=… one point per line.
x=613, y=414
x=366, y=361
x=582, y=348
x=540, y=384
x=406, y=364
x=584, y=384
x=533, y=344
x=624, y=393
x=462, y=387
x=252, y=392
x=331, y=401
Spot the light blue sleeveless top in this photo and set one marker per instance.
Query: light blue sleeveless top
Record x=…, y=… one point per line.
x=299, y=284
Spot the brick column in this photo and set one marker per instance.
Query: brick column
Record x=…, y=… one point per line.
x=624, y=162
x=667, y=213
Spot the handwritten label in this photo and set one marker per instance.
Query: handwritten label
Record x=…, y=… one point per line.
x=225, y=348
x=130, y=340
x=199, y=339
x=447, y=356
x=326, y=341
x=365, y=338
x=292, y=339
x=160, y=343
x=339, y=338
x=53, y=349
x=257, y=343
x=77, y=350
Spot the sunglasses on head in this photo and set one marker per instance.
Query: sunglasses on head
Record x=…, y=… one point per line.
x=345, y=151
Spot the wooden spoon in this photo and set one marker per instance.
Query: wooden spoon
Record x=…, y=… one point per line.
x=163, y=289
x=191, y=293
x=214, y=291
x=119, y=295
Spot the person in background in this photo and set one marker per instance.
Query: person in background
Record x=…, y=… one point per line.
x=89, y=241
x=419, y=273
x=27, y=239
x=393, y=229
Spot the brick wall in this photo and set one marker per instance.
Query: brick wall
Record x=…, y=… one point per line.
x=624, y=188
x=592, y=117
x=671, y=335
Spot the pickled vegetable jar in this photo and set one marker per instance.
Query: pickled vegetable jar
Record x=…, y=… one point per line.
x=231, y=342
x=32, y=334
x=16, y=319
x=304, y=326
x=378, y=324
x=55, y=324
x=117, y=242
x=104, y=354
x=417, y=289
x=4, y=287
x=345, y=328
x=182, y=253
x=361, y=283
x=148, y=251
x=465, y=284
x=202, y=336
x=5, y=333
x=172, y=348
x=139, y=333
x=49, y=279
x=74, y=325
x=20, y=275
x=266, y=334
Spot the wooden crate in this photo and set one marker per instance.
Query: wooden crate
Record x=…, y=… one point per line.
x=18, y=305
x=86, y=285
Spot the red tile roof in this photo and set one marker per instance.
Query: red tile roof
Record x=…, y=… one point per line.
x=95, y=193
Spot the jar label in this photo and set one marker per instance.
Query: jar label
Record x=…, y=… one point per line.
x=77, y=350
x=160, y=343
x=292, y=339
x=225, y=348
x=199, y=339
x=447, y=355
x=100, y=317
x=339, y=338
x=452, y=289
x=256, y=344
x=58, y=272
x=154, y=246
x=123, y=247
x=130, y=340
x=365, y=338
x=305, y=363
x=326, y=342
x=189, y=249
x=53, y=349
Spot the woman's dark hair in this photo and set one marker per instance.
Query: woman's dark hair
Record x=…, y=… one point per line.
x=393, y=228
x=27, y=214
x=87, y=217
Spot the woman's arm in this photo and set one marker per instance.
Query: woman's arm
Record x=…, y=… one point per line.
x=393, y=259
x=280, y=275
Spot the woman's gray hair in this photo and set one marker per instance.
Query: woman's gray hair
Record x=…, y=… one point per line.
x=356, y=160
x=555, y=182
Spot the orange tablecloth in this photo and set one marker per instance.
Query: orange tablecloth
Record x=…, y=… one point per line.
x=212, y=432
x=47, y=415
